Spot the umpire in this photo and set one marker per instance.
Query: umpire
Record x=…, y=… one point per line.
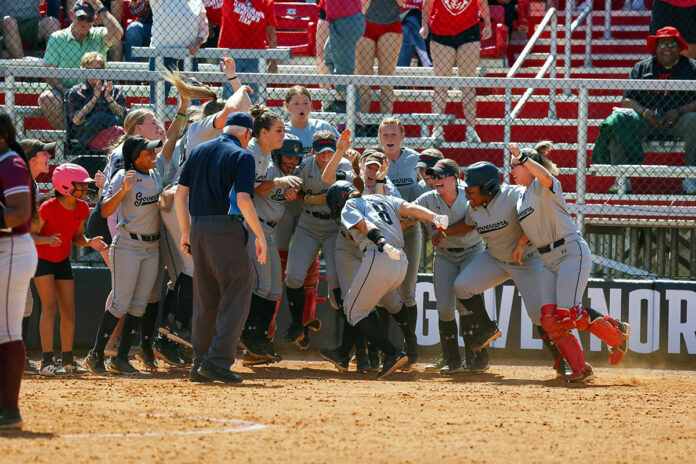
x=219, y=178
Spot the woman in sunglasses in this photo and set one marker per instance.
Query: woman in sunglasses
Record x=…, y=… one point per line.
x=547, y=225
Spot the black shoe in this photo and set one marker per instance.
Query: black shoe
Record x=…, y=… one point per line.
x=294, y=334
x=11, y=420
x=336, y=106
x=95, y=363
x=252, y=360
x=587, y=375
x=167, y=351
x=484, y=335
x=481, y=362
x=563, y=370
x=30, y=368
x=147, y=357
x=412, y=353
x=304, y=343
x=452, y=367
x=181, y=336
x=194, y=376
x=121, y=367
x=391, y=364
x=251, y=343
x=212, y=372
x=468, y=360
x=362, y=363
x=333, y=356
x=373, y=359
x=436, y=365
x=270, y=351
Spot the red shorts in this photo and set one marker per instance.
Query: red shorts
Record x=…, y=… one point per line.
x=375, y=31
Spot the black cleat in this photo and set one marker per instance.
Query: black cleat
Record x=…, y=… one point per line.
x=270, y=351
x=147, y=357
x=294, y=335
x=11, y=420
x=391, y=364
x=484, y=335
x=374, y=358
x=213, y=372
x=452, y=367
x=333, y=356
x=436, y=365
x=181, y=336
x=194, y=376
x=121, y=367
x=304, y=343
x=95, y=363
x=563, y=370
x=252, y=344
x=362, y=363
x=167, y=351
x=481, y=362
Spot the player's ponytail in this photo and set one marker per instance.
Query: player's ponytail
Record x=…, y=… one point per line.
x=189, y=88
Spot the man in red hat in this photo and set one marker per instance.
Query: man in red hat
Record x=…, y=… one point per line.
x=667, y=113
x=680, y=14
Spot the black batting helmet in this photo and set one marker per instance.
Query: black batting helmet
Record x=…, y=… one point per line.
x=292, y=146
x=484, y=174
x=337, y=196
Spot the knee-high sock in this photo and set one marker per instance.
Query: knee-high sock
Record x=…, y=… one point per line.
x=184, y=300
x=450, y=344
x=149, y=320
x=348, y=338
x=296, y=300
x=169, y=306
x=477, y=306
x=25, y=327
x=370, y=327
x=106, y=328
x=130, y=328
x=384, y=319
x=252, y=321
x=266, y=313
x=12, y=358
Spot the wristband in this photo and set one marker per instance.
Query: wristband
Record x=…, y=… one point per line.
x=523, y=159
x=380, y=246
x=231, y=78
x=382, y=181
x=102, y=9
x=442, y=231
x=2, y=218
x=182, y=118
x=375, y=235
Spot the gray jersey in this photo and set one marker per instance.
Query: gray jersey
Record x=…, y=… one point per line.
x=380, y=210
x=435, y=203
x=261, y=160
x=115, y=163
x=305, y=135
x=197, y=133
x=270, y=206
x=138, y=212
x=498, y=223
x=171, y=172
x=310, y=174
x=404, y=174
x=543, y=214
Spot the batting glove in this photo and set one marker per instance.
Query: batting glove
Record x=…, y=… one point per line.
x=392, y=252
x=441, y=221
x=287, y=181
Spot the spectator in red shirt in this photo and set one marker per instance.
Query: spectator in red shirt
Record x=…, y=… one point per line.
x=61, y=223
x=456, y=40
x=249, y=24
x=17, y=263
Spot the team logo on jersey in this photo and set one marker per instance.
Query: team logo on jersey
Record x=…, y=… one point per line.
x=278, y=195
x=492, y=227
x=247, y=13
x=142, y=200
x=406, y=181
x=455, y=7
x=525, y=212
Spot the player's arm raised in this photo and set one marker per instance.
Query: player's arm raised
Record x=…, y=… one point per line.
x=176, y=130
x=342, y=146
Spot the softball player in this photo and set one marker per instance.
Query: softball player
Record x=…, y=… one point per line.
x=403, y=172
x=567, y=261
x=454, y=249
x=315, y=230
x=135, y=251
x=269, y=201
x=373, y=222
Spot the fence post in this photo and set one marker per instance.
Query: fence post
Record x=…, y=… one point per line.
x=554, y=54
x=568, y=38
x=607, y=19
x=160, y=98
x=580, y=179
x=351, y=107
x=507, y=131
x=587, y=62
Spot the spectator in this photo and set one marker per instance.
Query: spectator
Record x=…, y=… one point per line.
x=680, y=14
x=22, y=23
x=647, y=112
x=382, y=39
x=95, y=109
x=66, y=49
x=411, y=18
x=177, y=23
x=510, y=8
x=456, y=40
x=248, y=25
x=115, y=7
x=346, y=26
x=213, y=10
x=139, y=32
x=322, y=36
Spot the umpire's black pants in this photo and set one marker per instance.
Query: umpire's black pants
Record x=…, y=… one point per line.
x=222, y=284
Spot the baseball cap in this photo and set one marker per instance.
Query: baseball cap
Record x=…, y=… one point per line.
x=292, y=146
x=322, y=145
x=240, y=119
x=32, y=146
x=83, y=9
x=447, y=167
x=428, y=158
x=134, y=145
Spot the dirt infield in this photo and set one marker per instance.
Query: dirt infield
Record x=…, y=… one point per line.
x=302, y=412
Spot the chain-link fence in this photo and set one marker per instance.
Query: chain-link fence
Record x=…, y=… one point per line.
x=625, y=146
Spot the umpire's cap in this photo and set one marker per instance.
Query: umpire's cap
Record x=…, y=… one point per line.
x=292, y=146
x=484, y=174
x=337, y=196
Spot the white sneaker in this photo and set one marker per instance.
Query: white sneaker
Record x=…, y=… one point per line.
x=53, y=369
x=471, y=135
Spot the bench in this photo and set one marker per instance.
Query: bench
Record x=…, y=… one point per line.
x=296, y=27
x=623, y=171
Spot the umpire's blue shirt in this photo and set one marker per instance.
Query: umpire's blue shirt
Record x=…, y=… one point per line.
x=216, y=171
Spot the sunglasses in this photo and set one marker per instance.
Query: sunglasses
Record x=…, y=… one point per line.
x=665, y=45
x=440, y=176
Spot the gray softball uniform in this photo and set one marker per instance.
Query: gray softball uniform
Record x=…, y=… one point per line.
x=500, y=228
x=315, y=228
x=453, y=253
x=403, y=173
x=135, y=250
x=305, y=135
x=567, y=259
x=261, y=159
x=269, y=207
x=378, y=275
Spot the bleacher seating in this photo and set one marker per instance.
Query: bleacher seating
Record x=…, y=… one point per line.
x=497, y=45
x=296, y=27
